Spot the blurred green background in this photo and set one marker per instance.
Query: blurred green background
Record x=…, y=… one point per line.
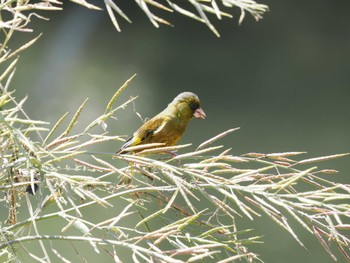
x=284, y=81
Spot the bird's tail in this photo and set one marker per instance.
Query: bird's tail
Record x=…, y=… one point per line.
x=125, y=145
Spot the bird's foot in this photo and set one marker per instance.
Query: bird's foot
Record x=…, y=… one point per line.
x=172, y=153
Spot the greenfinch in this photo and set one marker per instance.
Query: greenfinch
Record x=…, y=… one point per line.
x=168, y=126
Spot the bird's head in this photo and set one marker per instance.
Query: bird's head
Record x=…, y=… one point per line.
x=187, y=105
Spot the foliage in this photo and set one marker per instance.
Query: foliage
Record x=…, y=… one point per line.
x=201, y=9
x=165, y=191
x=155, y=206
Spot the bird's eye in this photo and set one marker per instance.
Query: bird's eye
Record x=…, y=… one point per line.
x=194, y=106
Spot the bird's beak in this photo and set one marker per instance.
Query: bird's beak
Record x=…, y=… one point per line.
x=199, y=113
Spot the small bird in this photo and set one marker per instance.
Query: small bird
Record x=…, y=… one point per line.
x=168, y=126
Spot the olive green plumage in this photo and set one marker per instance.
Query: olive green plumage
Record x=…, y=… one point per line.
x=169, y=125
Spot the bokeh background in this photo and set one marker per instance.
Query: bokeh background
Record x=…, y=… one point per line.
x=283, y=80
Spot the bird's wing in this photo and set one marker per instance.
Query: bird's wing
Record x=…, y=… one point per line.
x=146, y=131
